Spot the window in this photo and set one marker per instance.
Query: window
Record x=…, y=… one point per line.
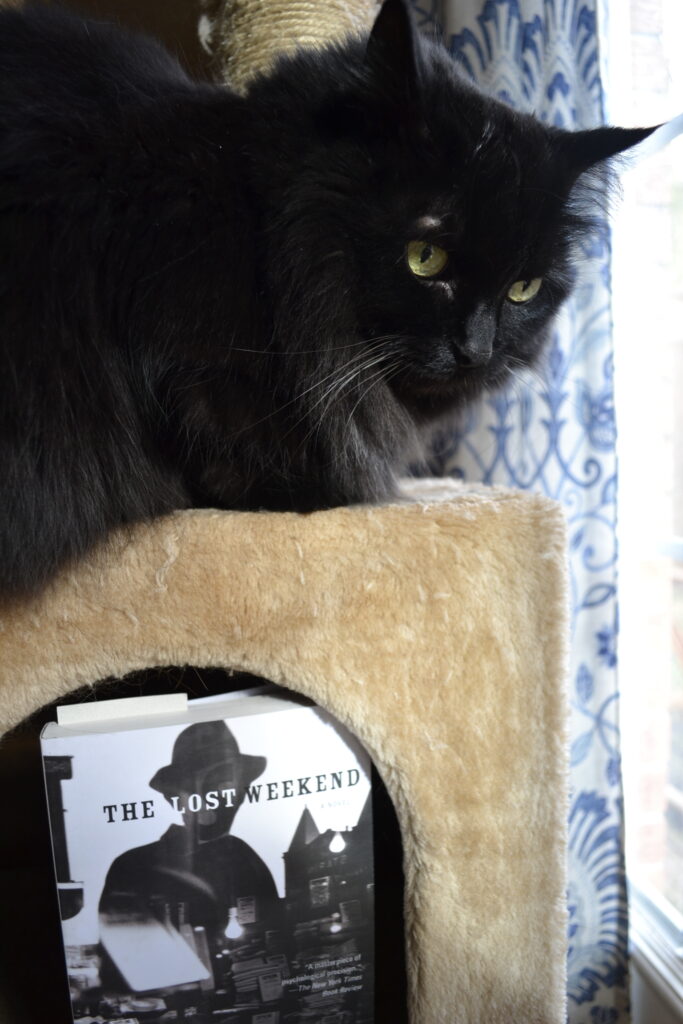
x=645, y=86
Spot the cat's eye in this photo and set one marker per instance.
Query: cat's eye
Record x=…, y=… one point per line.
x=425, y=259
x=524, y=291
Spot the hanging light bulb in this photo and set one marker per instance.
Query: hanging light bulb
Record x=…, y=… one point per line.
x=338, y=843
x=336, y=924
x=234, y=929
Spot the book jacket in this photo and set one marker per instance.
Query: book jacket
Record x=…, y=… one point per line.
x=214, y=865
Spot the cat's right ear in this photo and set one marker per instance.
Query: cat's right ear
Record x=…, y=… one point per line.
x=391, y=52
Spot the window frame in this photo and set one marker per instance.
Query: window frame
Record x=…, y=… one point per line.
x=656, y=943
x=655, y=925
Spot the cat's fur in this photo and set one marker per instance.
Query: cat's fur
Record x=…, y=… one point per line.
x=204, y=298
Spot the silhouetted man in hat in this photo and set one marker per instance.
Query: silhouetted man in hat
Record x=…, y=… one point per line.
x=196, y=873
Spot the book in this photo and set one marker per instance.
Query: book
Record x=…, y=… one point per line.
x=213, y=860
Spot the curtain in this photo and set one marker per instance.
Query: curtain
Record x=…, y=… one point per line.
x=555, y=433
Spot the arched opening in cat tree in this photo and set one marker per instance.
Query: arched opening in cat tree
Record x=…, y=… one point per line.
x=33, y=980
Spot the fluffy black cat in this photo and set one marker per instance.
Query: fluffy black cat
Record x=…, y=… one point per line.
x=260, y=301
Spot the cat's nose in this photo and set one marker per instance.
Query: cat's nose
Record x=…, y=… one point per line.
x=475, y=351
x=476, y=347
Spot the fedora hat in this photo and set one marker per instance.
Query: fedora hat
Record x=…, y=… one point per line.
x=199, y=749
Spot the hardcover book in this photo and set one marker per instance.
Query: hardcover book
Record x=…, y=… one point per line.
x=214, y=862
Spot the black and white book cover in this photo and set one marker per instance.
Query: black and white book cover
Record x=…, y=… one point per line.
x=214, y=864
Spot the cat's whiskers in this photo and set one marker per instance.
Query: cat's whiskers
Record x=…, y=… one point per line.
x=356, y=361
x=385, y=373
x=359, y=368
x=334, y=392
x=341, y=388
x=370, y=347
x=299, y=352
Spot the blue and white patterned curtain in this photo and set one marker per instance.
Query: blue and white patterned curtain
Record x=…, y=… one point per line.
x=555, y=433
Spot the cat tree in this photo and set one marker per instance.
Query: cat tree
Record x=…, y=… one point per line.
x=244, y=37
x=434, y=628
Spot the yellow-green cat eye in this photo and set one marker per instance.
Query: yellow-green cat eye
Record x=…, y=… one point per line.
x=425, y=259
x=524, y=291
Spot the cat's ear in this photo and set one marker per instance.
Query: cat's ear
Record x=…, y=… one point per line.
x=584, y=149
x=391, y=50
x=389, y=99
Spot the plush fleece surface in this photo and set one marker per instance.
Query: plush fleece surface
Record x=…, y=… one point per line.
x=435, y=629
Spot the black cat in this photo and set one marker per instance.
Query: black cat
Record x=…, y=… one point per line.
x=255, y=302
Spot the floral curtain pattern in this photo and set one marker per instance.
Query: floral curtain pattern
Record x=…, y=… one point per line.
x=554, y=432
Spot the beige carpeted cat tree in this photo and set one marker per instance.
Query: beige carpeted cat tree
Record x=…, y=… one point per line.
x=433, y=627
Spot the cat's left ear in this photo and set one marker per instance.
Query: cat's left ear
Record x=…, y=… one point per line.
x=389, y=100
x=584, y=149
x=392, y=49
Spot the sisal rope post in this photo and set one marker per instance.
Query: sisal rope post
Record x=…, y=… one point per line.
x=245, y=37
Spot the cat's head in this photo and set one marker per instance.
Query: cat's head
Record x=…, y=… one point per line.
x=422, y=216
